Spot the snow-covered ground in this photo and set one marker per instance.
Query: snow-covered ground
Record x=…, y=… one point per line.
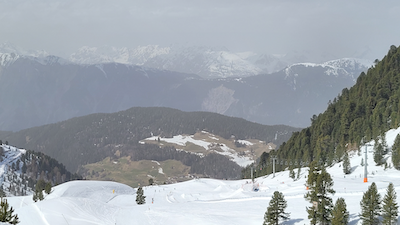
x=11, y=173
x=182, y=140
x=199, y=201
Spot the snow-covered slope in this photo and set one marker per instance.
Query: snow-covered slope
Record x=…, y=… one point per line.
x=203, y=61
x=243, y=159
x=7, y=59
x=206, y=61
x=200, y=201
x=346, y=66
x=10, y=48
x=10, y=53
x=342, y=69
x=10, y=171
x=107, y=54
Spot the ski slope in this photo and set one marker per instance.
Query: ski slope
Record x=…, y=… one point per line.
x=199, y=201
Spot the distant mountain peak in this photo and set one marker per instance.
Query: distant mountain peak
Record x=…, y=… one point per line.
x=347, y=66
x=124, y=55
x=209, y=62
x=7, y=58
x=8, y=47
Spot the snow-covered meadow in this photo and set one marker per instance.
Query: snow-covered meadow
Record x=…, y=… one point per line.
x=199, y=201
x=183, y=140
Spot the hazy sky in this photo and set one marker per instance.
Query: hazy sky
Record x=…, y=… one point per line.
x=339, y=27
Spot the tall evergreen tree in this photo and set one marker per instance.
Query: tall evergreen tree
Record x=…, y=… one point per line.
x=384, y=144
x=396, y=153
x=320, y=186
x=140, y=198
x=7, y=213
x=390, y=208
x=340, y=215
x=346, y=164
x=378, y=153
x=2, y=193
x=298, y=172
x=276, y=210
x=292, y=174
x=47, y=188
x=370, y=206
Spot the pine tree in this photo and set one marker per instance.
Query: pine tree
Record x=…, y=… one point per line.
x=370, y=206
x=340, y=215
x=35, y=196
x=390, y=207
x=140, y=198
x=378, y=153
x=298, y=172
x=396, y=153
x=292, y=174
x=47, y=188
x=40, y=195
x=320, y=186
x=2, y=193
x=384, y=145
x=276, y=210
x=7, y=213
x=346, y=164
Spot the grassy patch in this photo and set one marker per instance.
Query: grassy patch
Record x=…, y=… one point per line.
x=253, y=151
x=134, y=173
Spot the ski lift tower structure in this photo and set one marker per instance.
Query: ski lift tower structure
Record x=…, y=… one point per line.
x=274, y=158
x=366, y=163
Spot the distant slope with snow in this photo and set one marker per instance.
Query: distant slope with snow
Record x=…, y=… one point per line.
x=203, y=61
x=201, y=201
x=207, y=62
x=20, y=170
x=12, y=179
x=207, y=142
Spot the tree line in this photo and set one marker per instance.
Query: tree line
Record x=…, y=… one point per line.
x=211, y=165
x=31, y=168
x=357, y=115
x=89, y=139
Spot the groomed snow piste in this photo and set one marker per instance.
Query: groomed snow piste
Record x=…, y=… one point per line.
x=199, y=201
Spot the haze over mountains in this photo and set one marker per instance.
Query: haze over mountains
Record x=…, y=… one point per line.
x=47, y=89
x=207, y=62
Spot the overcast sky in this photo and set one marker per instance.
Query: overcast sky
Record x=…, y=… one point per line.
x=339, y=27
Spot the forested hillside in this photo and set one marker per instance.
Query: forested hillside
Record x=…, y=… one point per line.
x=89, y=139
x=359, y=114
x=22, y=169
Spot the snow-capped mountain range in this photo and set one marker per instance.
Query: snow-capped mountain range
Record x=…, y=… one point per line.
x=49, y=87
x=204, y=61
x=9, y=53
x=207, y=62
x=348, y=68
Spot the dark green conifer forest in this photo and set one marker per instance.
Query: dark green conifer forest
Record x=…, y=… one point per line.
x=356, y=115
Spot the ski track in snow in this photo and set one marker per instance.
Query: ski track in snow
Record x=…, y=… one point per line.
x=200, y=201
x=40, y=214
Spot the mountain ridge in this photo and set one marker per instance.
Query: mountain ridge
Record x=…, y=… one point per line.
x=208, y=62
x=359, y=114
x=89, y=139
